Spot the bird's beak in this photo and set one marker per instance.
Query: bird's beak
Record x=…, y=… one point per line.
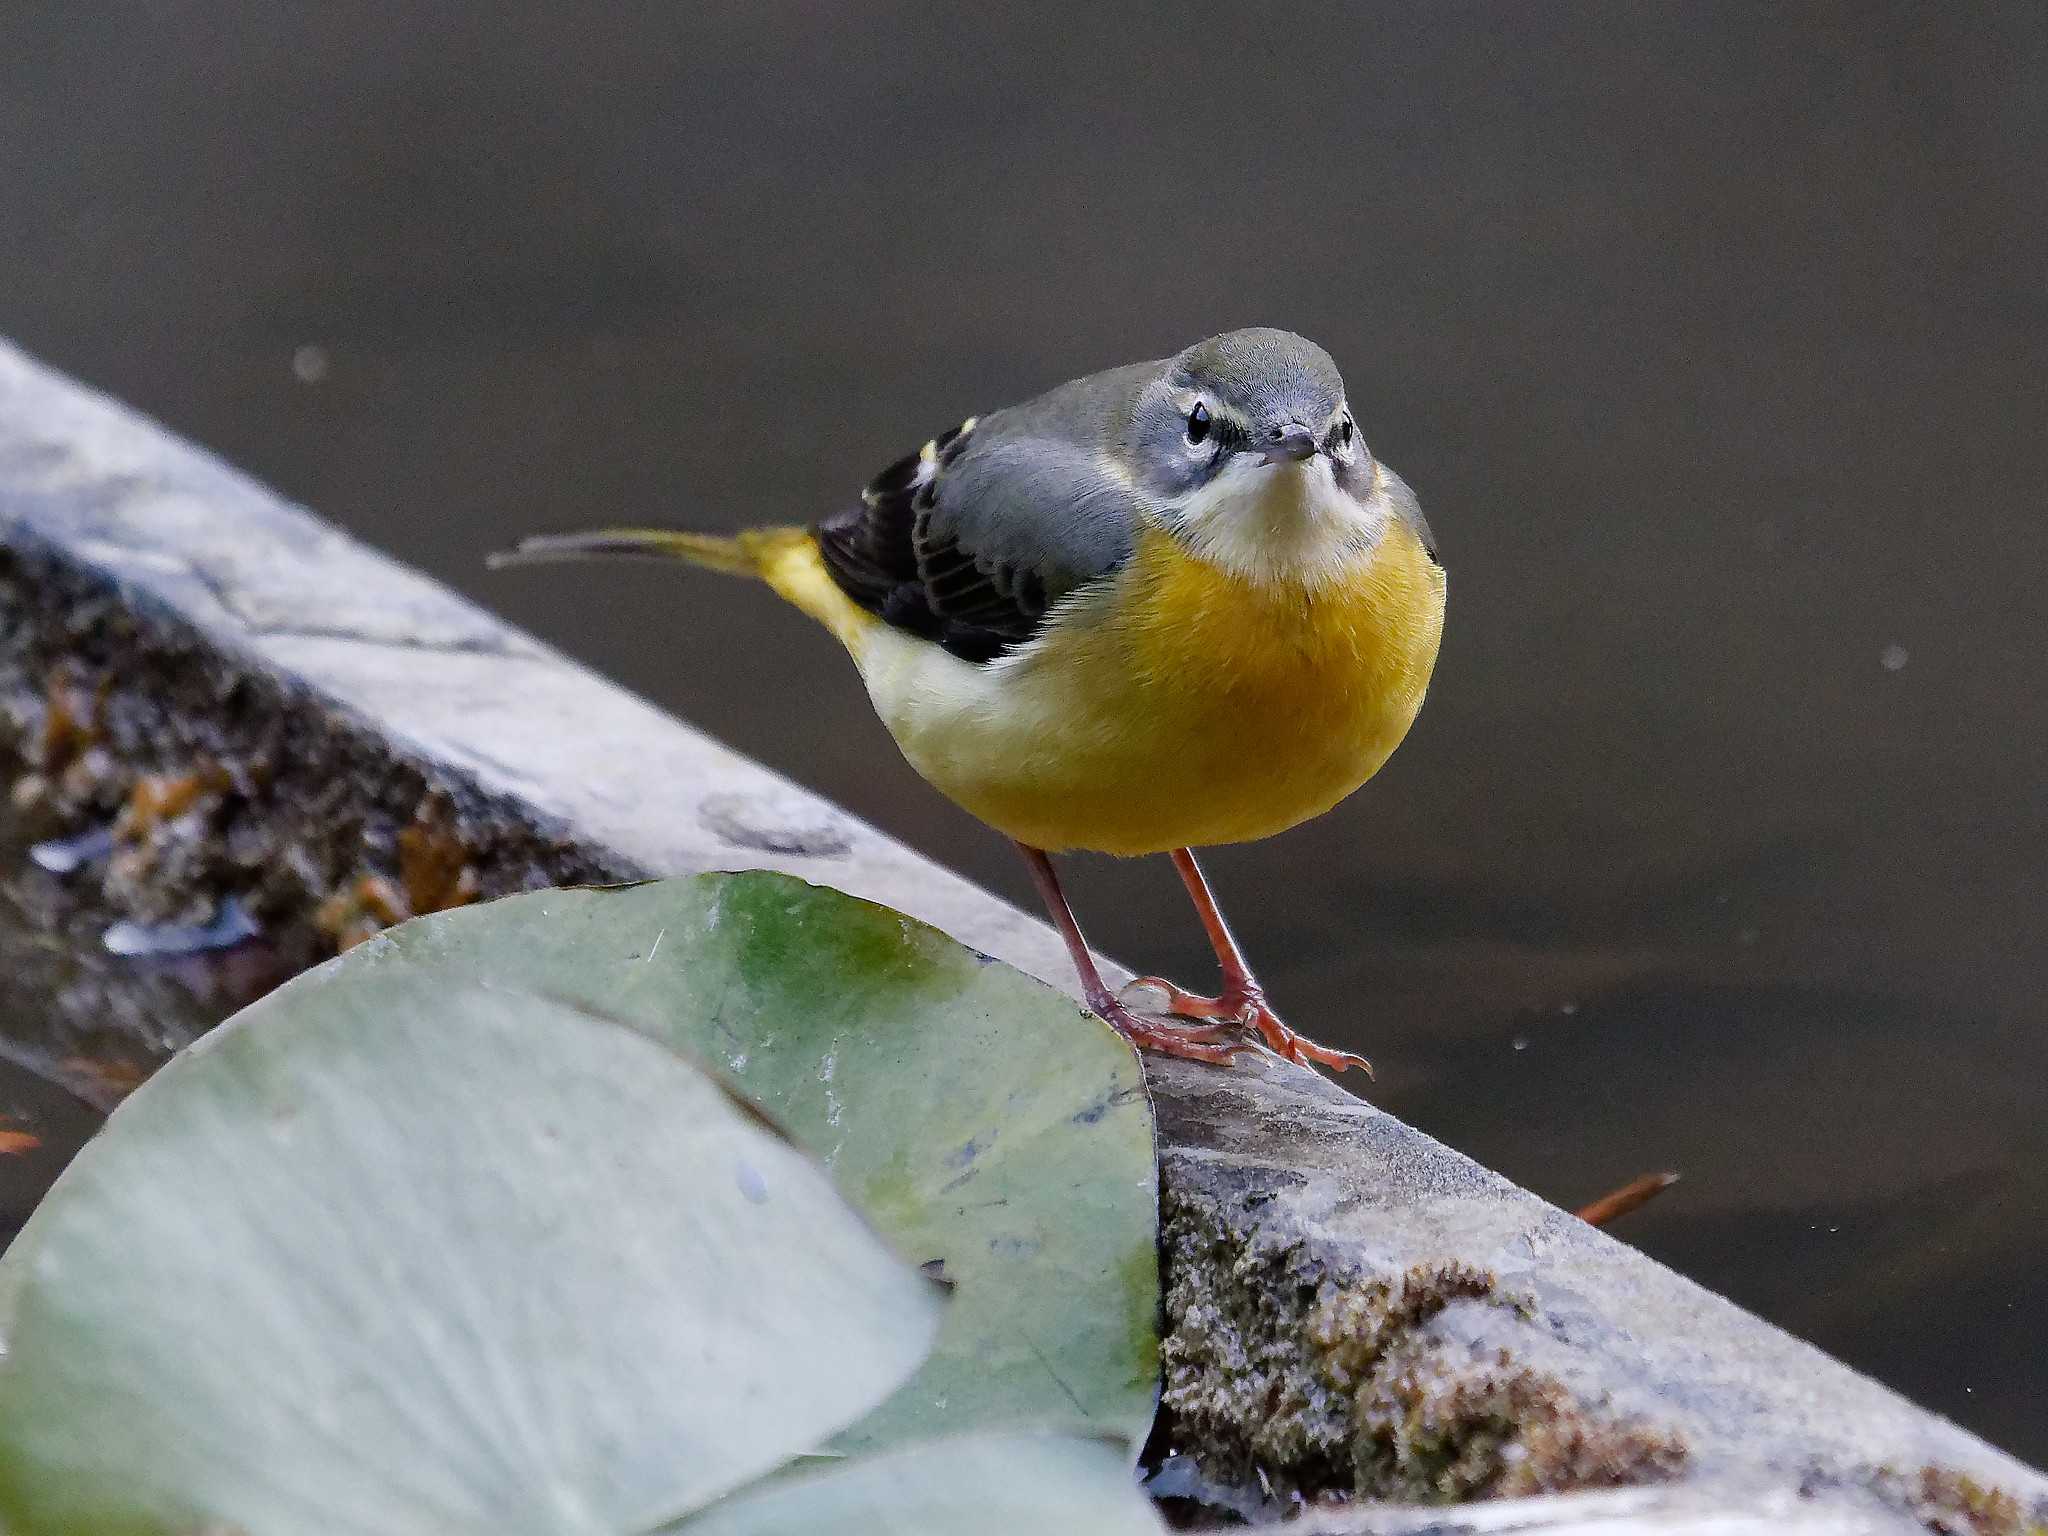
x=1292, y=441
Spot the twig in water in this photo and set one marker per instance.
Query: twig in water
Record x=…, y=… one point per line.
x=1629, y=1197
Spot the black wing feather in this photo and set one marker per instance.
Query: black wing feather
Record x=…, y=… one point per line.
x=975, y=538
x=887, y=555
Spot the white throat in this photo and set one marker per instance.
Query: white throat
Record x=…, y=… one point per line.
x=1280, y=524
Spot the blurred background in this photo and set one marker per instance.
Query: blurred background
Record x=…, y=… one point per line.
x=1713, y=338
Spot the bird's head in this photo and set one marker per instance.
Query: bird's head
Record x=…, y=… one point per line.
x=1244, y=447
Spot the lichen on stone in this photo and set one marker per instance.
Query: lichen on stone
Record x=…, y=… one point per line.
x=1311, y=1385
x=216, y=784
x=1429, y=1429
x=1949, y=1502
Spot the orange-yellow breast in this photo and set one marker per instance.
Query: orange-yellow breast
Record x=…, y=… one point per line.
x=1181, y=705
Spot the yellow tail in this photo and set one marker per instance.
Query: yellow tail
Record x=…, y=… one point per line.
x=786, y=558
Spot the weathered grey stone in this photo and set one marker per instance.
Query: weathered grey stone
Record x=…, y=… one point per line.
x=276, y=714
x=1350, y=1301
x=1631, y=1512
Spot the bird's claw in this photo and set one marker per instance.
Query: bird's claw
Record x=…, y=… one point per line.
x=1298, y=1047
x=1194, y=1042
x=1248, y=1008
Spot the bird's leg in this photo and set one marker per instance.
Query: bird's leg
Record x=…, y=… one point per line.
x=1197, y=1042
x=1242, y=998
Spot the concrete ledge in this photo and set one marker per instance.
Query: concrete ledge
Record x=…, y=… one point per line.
x=283, y=719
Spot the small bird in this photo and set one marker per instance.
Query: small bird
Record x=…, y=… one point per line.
x=1169, y=605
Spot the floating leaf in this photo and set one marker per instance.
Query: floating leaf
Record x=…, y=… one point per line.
x=987, y=1126
x=994, y=1483
x=392, y=1258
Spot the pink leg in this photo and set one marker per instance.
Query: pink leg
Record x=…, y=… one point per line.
x=1242, y=998
x=1168, y=1039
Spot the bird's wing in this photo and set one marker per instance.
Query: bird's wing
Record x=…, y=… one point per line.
x=1409, y=511
x=972, y=539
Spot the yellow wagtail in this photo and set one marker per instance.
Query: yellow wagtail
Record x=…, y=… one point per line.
x=1172, y=604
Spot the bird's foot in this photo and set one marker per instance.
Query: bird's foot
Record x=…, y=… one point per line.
x=1247, y=1006
x=1298, y=1047
x=1195, y=1042
x=1182, y=1003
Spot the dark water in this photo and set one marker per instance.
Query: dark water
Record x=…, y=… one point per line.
x=1713, y=337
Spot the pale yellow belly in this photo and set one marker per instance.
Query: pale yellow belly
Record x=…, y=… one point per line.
x=1189, y=708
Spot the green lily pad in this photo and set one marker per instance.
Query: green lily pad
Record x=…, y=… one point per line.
x=990, y=1483
x=989, y=1128
x=378, y=1257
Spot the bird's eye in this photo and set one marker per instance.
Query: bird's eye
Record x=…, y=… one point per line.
x=1345, y=432
x=1198, y=423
